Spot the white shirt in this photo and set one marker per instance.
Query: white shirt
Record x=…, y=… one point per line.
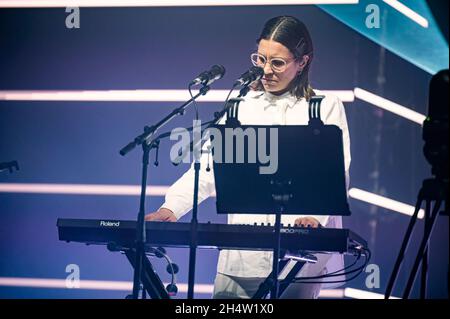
x=263, y=108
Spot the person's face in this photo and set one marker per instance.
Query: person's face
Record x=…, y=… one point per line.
x=277, y=77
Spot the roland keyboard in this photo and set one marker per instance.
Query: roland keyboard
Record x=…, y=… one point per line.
x=221, y=236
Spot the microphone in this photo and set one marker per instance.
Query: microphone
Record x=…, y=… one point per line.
x=9, y=166
x=255, y=73
x=208, y=77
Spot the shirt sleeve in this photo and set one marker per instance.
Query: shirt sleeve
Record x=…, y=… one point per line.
x=180, y=196
x=335, y=115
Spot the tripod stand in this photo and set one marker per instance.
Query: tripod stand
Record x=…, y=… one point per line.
x=433, y=190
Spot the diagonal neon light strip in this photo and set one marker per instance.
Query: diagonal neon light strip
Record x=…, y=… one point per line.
x=414, y=16
x=390, y=106
x=159, y=3
x=133, y=95
x=384, y=202
x=362, y=294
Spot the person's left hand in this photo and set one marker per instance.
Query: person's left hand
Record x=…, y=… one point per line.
x=307, y=222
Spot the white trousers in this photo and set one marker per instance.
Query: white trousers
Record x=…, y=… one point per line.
x=235, y=287
x=231, y=287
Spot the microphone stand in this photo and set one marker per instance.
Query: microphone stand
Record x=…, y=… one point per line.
x=147, y=144
x=194, y=220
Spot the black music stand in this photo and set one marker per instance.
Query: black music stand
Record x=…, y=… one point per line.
x=310, y=178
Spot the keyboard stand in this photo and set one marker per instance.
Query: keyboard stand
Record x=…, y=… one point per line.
x=289, y=267
x=150, y=279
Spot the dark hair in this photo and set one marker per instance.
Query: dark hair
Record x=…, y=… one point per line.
x=293, y=34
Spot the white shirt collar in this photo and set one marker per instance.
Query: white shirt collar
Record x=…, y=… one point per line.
x=272, y=97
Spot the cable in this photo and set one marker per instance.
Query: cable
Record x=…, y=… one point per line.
x=190, y=128
x=194, y=102
x=228, y=96
x=338, y=273
x=349, y=266
x=163, y=135
x=335, y=273
x=359, y=270
x=160, y=252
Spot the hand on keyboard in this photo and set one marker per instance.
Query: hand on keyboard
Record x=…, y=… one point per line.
x=162, y=215
x=307, y=222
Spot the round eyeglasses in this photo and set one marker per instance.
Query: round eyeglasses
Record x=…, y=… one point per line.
x=277, y=64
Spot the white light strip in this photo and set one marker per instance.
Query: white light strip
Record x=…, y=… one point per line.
x=82, y=189
x=133, y=95
x=351, y=293
x=389, y=106
x=408, y=12
x=134, y=190
x=90, y=284
x=182, y=287
x=331, y=293
x=343, y=95
x=384, y=202
x=183, y=95
x=362, y=294
x=159, y=3
x=112, y=95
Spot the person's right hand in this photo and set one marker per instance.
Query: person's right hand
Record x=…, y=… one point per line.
x=162, y=215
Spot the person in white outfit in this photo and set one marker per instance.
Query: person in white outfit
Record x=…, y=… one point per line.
x=281, y=97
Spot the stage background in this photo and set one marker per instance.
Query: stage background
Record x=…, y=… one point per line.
x=164, y=48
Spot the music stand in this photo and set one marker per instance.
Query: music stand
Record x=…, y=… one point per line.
x=310, y=179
